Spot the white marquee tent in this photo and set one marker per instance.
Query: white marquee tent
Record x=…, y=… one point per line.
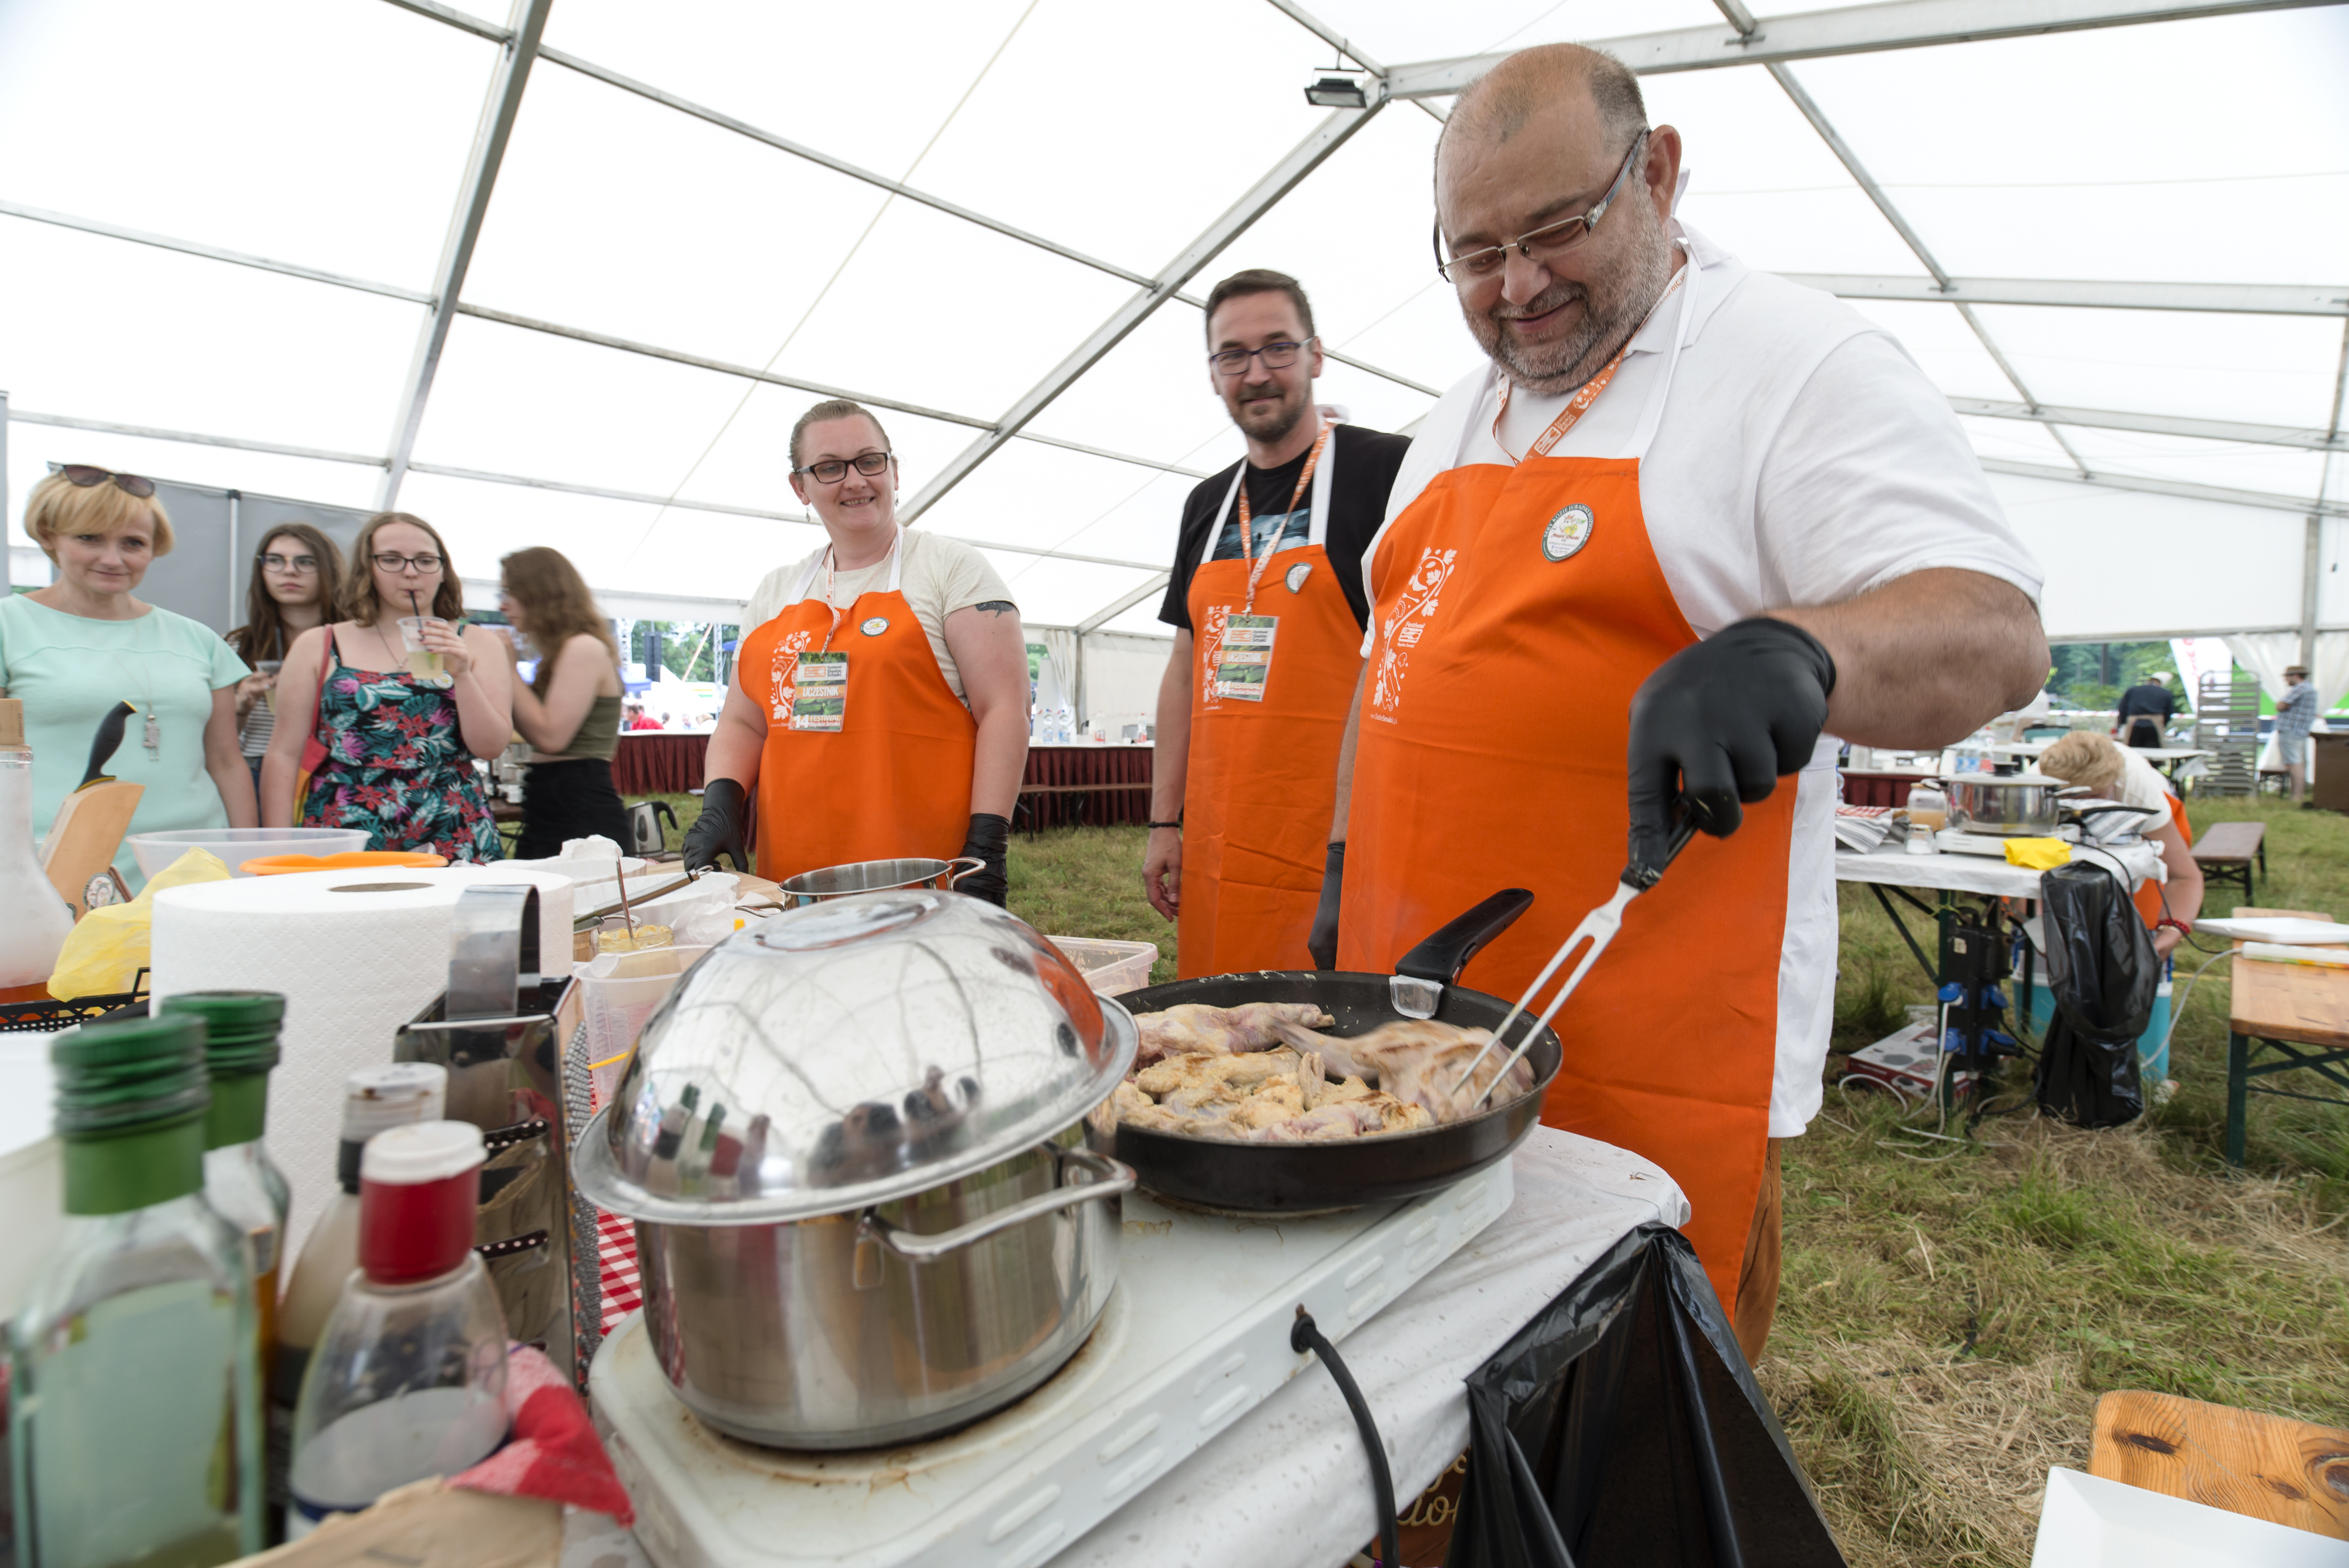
x=566, y=275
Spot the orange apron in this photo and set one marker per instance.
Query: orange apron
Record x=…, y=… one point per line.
x=894, y=779
x=2149, y=897
x=1519, y=609
x=1262, y=777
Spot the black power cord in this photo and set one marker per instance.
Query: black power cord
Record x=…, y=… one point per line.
x=1306, y=1335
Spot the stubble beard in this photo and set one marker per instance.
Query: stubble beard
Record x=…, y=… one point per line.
x=1617, y=298
x=1271, y=429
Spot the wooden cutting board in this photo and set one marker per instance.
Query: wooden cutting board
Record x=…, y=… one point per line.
x=85, y=837
x=2290, y=1472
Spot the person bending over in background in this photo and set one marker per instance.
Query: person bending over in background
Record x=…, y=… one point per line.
x=569, y=710
x=2118, y=772
x=2295, y=715
x=296, y=574
x=2145, y=709
x=72, y=651
x=399, y=735
x=880, y=709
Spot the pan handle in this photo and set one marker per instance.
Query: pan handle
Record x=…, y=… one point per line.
x=1110, y=1178
x=1443, y=956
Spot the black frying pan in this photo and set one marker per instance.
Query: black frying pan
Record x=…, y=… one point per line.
x=1342, y=1173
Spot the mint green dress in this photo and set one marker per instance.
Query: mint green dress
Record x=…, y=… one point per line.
x=69, y=671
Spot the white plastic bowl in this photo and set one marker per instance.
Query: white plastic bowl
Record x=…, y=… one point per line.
x=238, y=844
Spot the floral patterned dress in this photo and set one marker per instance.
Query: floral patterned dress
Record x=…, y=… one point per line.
x=397, y=765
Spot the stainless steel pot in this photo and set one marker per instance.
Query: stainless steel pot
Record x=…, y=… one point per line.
x=853, y=1141
x=2025, y=804
x=875, y=877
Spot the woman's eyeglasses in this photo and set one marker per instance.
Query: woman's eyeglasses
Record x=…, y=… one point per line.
x=424, y=562
x=302, y=566
x=84, y=475
x=832, y=470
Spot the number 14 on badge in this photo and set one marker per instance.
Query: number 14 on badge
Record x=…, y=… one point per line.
x=820, y=691
x=1243, y=664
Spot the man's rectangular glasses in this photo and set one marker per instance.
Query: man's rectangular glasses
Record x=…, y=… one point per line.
x=1231, y=363
x=832, y=470
x=1544, y=244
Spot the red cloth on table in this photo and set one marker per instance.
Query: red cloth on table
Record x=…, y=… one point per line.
x=553, y=1452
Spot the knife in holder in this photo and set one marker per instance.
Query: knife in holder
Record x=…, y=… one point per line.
x=87, y=832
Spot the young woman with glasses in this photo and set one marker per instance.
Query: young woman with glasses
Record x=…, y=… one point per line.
x=295, y=576
x=569, y=710
x=72, y=651
x=402, y=724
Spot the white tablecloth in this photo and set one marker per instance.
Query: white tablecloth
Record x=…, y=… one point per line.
x=1981, y=873
x=1288, y=1485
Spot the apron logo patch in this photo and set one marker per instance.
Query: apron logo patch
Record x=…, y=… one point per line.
x=1297, y=575
x=875, y=626
x=1567, y=532
x=1406, y=620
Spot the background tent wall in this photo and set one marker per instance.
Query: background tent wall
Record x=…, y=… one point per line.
x=215, y=534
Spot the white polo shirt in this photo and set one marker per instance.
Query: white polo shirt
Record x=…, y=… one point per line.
x=1800, y=458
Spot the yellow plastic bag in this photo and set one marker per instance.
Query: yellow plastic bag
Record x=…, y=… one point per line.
x=108, y=947
x=2037, y=854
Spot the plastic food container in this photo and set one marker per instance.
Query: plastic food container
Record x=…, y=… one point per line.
x=1112, y=969
x=236, y=846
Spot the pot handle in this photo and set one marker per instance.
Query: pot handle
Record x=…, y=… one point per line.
x=1111, y=1178
x=971, y=866
x=1445, y=954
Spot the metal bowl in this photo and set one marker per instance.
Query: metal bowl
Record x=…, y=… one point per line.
x=875, y=877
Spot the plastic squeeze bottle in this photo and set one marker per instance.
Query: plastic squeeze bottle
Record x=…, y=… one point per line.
x=38, y=918
x=408, y=1378
x=134, y=1403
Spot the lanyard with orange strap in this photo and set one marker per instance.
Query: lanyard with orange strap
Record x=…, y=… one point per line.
x=1244, y=654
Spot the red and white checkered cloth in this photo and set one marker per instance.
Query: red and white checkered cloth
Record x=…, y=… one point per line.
x=616, y=1250
x=553, y=1451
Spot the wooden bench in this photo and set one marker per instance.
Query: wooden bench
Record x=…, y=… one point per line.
x=2288, y=1472
x=2225, y=852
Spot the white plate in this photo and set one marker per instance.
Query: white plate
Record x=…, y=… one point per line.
x=2277, y=928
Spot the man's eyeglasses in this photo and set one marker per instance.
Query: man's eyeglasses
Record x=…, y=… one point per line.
x=832, y=470
x=84, y=475
x=1233, y=363
x=302, y=564
x=424, y=562
x=1544, y=244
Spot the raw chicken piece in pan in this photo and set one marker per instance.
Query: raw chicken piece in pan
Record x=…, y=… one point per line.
x=1195, y=1027
x=1417, y=1061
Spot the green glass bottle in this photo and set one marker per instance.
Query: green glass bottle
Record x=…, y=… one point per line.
x=134, y=1411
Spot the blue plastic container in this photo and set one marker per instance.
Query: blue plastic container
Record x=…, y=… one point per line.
x=2152, y=1046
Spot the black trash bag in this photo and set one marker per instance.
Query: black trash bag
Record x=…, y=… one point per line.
x=1622, y=1427
x=2102, y=972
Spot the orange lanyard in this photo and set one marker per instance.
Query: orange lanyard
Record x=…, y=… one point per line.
x=1247, y=547
x=831, y=561
x=1588, y=394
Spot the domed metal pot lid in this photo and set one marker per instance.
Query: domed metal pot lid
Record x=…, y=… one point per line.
x=850, y=1053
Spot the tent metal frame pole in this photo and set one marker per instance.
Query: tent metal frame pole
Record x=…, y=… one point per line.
x=2221, y=298
x=1156, y=583
x=2312, y=580
x=1282, y=178
x=1347, y=50
x=1851, y=30
x=2307, y=438
x=2104, y=478
x=489, y=152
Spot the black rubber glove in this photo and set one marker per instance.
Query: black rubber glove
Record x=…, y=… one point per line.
x=1321, y=942
x=1718, y=723
x=718, y=830
x=989, y=840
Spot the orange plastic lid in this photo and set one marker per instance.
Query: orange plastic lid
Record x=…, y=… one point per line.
x=350, y=860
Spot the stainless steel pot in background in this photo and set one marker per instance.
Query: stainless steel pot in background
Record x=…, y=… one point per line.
x=2022, y=805
x=875, y=877
x=852, y=1143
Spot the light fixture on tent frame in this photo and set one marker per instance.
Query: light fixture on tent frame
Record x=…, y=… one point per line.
x=1339, y=89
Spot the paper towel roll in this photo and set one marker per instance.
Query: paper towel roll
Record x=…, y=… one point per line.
x=357, y=953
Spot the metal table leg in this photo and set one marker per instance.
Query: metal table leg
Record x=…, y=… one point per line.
x=2238, y=1059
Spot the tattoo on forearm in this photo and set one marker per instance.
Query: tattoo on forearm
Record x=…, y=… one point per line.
x=996, y=607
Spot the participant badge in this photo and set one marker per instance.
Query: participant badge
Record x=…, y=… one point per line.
x=820, y=691
x=874, y=626
x=1243, y=664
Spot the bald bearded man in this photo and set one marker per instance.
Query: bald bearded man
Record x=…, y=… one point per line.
x=1687, y=517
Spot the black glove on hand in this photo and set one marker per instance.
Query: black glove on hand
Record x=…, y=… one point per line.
x=1321, y=942
x=989, y=840
x=1718, y=723
x=718, y=830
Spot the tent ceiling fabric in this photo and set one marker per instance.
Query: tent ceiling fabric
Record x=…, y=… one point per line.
x=988, y=214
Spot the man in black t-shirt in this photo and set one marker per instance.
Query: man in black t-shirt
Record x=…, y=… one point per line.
x=1268, y=600
x=2145, y=709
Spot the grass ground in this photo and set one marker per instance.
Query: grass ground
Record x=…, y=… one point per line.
x=1950, y=1313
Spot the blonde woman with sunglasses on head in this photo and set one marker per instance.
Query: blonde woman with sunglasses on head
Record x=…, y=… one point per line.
x=402, y=724
x=74, y=650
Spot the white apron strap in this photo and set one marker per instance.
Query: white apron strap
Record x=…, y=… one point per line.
x=1684, y=328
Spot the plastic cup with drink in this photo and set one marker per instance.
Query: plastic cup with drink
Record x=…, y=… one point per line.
x=423, y=662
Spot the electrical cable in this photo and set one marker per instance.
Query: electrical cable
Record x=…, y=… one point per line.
x=1306, y=1335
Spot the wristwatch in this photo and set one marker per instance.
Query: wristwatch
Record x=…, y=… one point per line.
x=1176, y=822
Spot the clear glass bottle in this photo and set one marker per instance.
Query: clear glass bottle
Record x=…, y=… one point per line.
x=38, y=918
x=375, y=1099
x=134, y=1411
x=408, y=1378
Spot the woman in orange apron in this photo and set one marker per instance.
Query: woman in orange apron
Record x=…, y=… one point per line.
x=1279, y=650
x=841, y=715
x=1519, y=609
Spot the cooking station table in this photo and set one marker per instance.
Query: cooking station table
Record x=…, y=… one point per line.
x=2299, y=1012
x=1949, y=873
x=1287, y=1484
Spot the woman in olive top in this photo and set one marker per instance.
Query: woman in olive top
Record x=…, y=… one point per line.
x=570, y=710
